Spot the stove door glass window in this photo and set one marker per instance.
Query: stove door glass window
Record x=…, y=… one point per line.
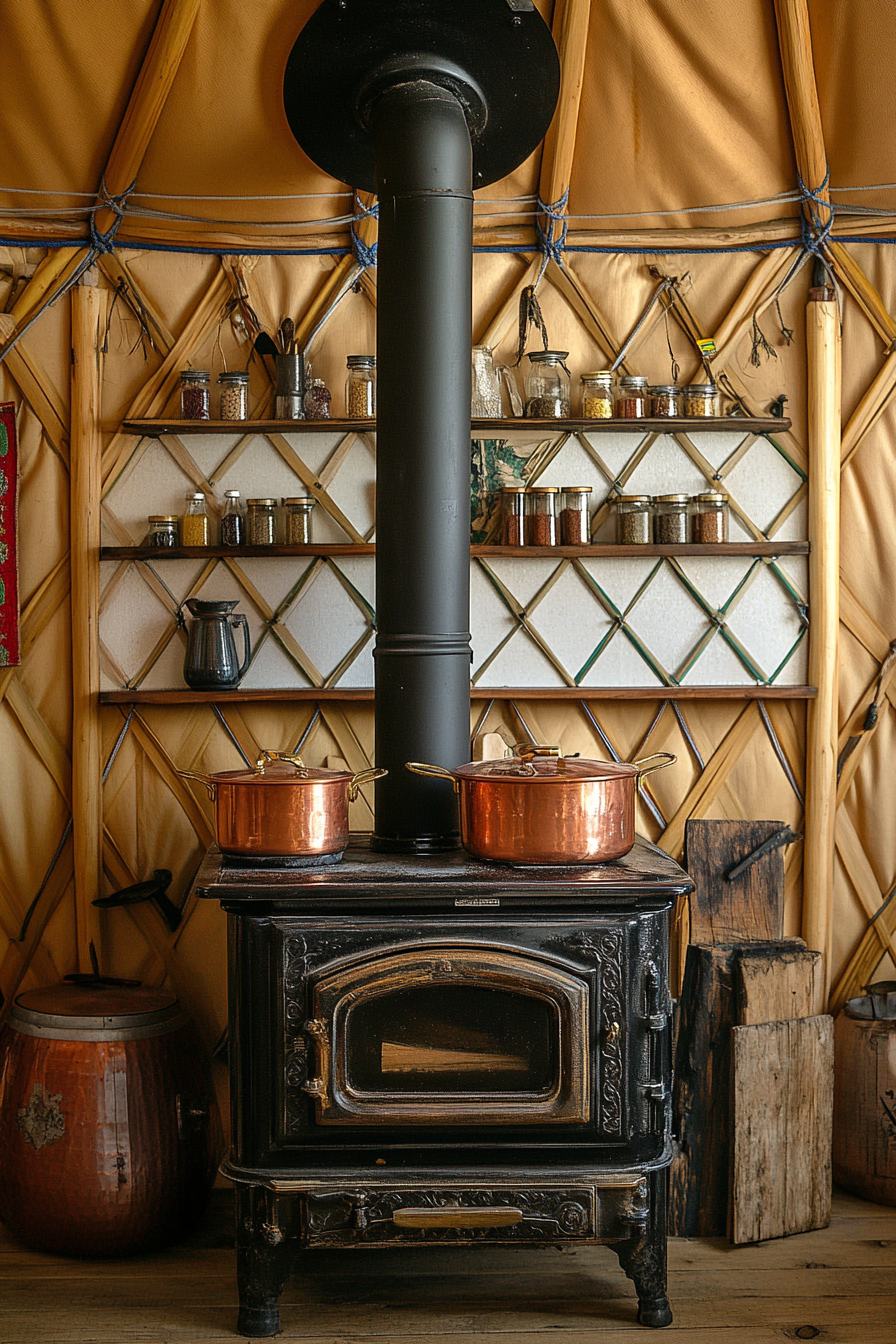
x=451, y=1035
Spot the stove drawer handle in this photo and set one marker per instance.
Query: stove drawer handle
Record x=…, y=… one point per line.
x=496, y=1216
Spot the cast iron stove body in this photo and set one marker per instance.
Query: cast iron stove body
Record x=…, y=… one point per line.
x=438, y=1050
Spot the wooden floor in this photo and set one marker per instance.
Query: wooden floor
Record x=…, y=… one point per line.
x=837, y=1286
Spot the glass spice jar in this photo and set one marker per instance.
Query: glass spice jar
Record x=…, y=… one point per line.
x=709, y=520
x=317, y=400
x=665, y=400
x=574, y=519
x=360, y=387
x=597, y=395
x=630, y=401
x=260, y=527
x=234, y=399
x=298, y=520
x=701, y=399
x=634, y=518
x=194, y=398
x=162, y=531
x=670, y=519
x=541, y=515
x=547, y=386
x=233, y=522
x=194, y=524
x=513, y=500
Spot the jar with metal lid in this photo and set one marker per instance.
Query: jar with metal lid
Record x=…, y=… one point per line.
x=513, y=512
x=634, y=519
x=298, y=520
x=709, y=520
x=670, y=519
x=701, y=399
x=541, y=515
x=547, y=386
x=194, y=527
x=630, y=401
x=194, y=399
x=665, y=399
x=162, y=531
x=360, y=387
x=234, y=400
x=574, y=518
x=233, y=521
x=260, y=525
x=597, y=395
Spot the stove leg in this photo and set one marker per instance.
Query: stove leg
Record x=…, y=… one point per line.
x=264, y=1259
x=643, y=1257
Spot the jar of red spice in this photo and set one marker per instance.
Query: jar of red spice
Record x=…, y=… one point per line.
x=541, y=515
x=574, y=520
x=631, y=401
x=194, y=399
x=513, y=499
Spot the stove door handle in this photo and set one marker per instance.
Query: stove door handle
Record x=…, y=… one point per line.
x=452, y=1216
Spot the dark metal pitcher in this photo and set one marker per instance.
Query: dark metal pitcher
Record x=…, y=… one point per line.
x=211, y=662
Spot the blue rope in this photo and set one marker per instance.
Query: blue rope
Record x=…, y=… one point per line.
x=365, y=256
x=105, y=242
x=815, y=232
x=551, y=241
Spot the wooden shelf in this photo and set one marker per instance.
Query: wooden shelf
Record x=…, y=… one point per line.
x=185, y=697
x=651, y=425
x=754, y=548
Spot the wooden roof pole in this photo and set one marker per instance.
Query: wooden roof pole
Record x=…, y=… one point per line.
x=160, y=65
x=570, y=32
x=824, y=365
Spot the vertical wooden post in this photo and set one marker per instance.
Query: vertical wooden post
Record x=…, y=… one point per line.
x=89, y=306
x=823, y=351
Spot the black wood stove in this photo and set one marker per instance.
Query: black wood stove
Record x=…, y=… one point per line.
x=438, y=1050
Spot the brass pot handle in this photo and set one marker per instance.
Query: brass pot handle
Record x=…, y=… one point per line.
x=268, y=757
x=434, y=771
x=364, y=777
x=526, y=750
x=210, y=784
x=662, y=758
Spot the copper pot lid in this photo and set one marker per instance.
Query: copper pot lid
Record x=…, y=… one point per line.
x=276, y=768
x=546, y=764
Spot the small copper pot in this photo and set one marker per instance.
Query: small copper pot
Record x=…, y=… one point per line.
x=282, y=807
x=541, y=807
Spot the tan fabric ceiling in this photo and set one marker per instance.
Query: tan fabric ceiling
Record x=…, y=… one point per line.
x=683, y=105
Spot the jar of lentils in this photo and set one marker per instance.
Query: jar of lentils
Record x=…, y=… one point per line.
x=260, y=525
x=194, y=400
x=670, y=519
x=630, y=402
x=162, y=531
x=513, y=500
x=541, y=516
x=597, y=395
x=298, y=520
x=547, y=386
x=234, y=401
x=360, y=387
x=701, y=399
x=634, y=520
x=709, y=520
x=574, y=517
x=665, y=400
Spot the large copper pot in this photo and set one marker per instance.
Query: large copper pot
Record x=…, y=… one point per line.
x=282, y=807
x=540, y=807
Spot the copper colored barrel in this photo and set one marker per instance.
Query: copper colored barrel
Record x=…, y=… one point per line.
x=108, y=1122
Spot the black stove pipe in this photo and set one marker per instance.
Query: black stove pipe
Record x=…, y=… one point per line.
x=424, y=165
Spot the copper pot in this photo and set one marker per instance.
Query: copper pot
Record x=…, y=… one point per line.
x=282, y=807
x=540, y=807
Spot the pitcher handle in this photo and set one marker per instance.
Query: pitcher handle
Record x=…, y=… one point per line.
x=505, y=376
x=239, y=619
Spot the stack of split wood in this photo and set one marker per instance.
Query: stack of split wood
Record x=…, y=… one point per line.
x=754, y=1066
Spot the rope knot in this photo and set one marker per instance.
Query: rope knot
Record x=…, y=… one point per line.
x=551, y=240
x=815, y=231
x=364, y=254
x=105, y=241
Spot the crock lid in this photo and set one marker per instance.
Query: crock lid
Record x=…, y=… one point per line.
x=550, y=769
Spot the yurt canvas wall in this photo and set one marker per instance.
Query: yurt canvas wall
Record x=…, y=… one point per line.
x=145, y=146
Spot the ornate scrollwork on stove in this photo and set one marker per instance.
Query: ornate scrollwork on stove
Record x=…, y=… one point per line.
x=338, y=1217
x=606, y=950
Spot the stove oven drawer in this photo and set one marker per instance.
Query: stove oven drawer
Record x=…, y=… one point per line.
x=591, y=1211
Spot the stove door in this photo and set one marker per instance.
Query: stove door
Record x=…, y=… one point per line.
x=450, y=1035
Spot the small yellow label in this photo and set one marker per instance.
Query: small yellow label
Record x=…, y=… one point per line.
x=707, y=346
